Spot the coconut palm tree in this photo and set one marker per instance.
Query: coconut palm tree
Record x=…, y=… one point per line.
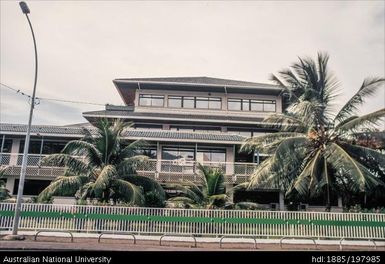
x=102, y=166
x=4, y=193
x=211, y=194
x=315, y=151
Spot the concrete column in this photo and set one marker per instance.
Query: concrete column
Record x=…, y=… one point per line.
x=340, y=205
x=229, y=187
x=14, y=151
x=158, y=158
x=9, y=184
x=230, y=160
x=281, y=201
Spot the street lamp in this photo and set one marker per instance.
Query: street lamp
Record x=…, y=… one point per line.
x=25, y=10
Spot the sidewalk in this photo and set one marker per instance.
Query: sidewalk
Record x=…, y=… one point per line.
x=62, y=241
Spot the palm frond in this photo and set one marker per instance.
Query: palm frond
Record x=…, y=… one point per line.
x=128, y=192
x=285, y=122
x=148, y=185
x=128, y=166
x=190, y=191
x=266, y=143
x=368, y=88
x=362, y=121
x=74, y=164
x=104, y=179
x=62, y=185
x=363, y=179
x=278, y=170
x=83, y=148
x=132, y=149
x=308, y=177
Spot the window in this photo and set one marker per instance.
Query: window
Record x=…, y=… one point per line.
x=234, y=104
x=31, y=187
x=211, y=155
x=7, y=146
x=188, y=102
x=175, y=101
x=195, y=102
x=256, y=105
x=202, y=102
x=178, y=153
x=34, y=146
x=215, y=103
x=151, y=100
x=251, y=105
x=51, y=147
x=269, y=106
x=149, y=152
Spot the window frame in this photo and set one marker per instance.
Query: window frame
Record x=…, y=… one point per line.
x=151, y=97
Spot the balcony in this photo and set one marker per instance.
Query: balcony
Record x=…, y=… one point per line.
x=14, y=161
x=181, y=170
x=164, y=171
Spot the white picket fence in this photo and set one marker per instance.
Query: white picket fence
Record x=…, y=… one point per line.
x=240, y=223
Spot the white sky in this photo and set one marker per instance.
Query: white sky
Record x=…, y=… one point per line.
x=84, y=45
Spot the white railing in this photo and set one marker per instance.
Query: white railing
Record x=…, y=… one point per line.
x=180, y=170
x=34, y=168
x=162, y=170
x=273, y=224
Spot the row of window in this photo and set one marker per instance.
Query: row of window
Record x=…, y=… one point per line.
x=173, y=153
x=251, y=105
x=191, y=102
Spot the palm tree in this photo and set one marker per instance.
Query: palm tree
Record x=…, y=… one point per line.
x=211, y=194
x=101, y=166
x=315, y=151
x=4, y=193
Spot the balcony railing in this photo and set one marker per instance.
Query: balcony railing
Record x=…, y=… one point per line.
x=161, y=170
x=179, y=170
x=34, y=168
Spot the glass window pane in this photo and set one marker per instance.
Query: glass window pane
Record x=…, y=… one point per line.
x=157, y=101
x=215, y=103
x=7, y=145
x=144, y=100
x=175, y=101
x=202, y=102
x=269, y=106
x=178, y=153
x=245, y=105
x=211, y=155
x=218, y=157
x=234, y=104
x=149, y=152
x=256, y=105
x=50, y=147
x=34, y=146
x=188, y=102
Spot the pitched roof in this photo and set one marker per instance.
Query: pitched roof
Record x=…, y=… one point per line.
x=166, y=135
x=203, y=80
x=173, y=116
x=41, y=129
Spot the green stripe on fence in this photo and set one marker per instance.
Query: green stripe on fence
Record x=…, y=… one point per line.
x=185, y=219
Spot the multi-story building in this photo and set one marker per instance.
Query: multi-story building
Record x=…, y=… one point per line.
x=184, y=120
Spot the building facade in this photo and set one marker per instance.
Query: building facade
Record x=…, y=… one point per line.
x=185, y=121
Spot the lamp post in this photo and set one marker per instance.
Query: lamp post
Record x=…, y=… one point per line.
x=16, y=219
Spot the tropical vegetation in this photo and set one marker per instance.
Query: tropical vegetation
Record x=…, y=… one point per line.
x=102, y=166
x=4, y=192
x=212, y=193
x=315, y=151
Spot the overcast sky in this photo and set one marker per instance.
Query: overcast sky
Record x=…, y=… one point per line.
x=84, y=45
